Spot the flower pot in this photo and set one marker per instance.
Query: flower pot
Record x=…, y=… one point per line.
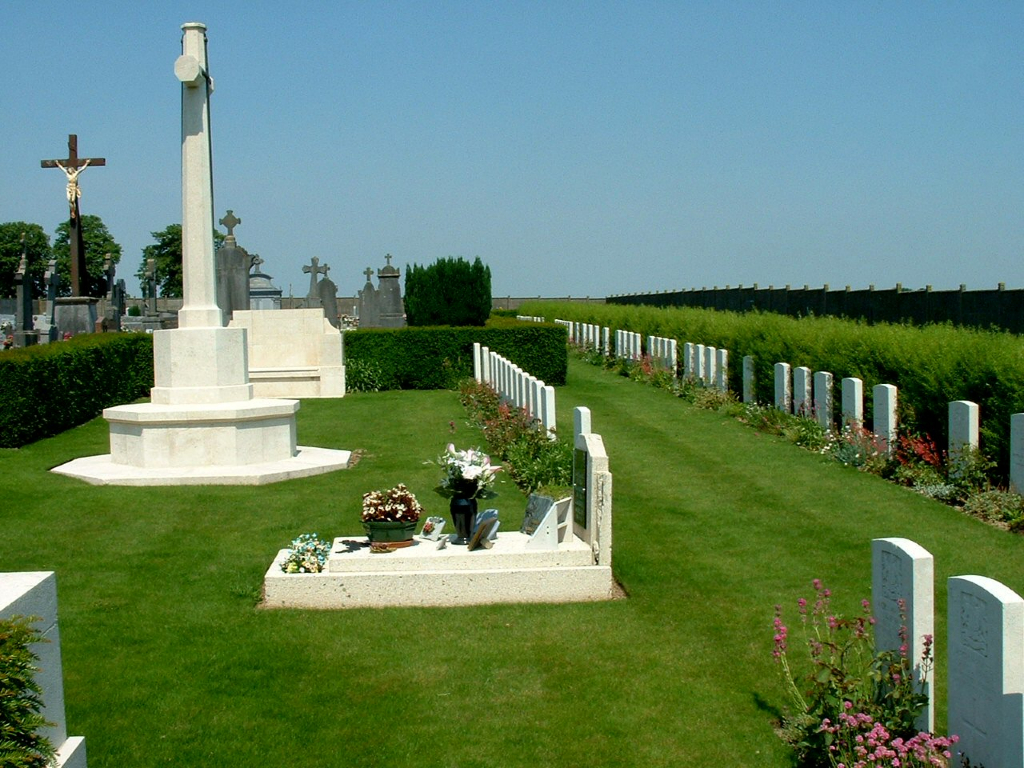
x=397, y=533
x=464, y=517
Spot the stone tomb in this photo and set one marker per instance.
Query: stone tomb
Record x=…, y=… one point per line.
x=294, y=353
x=35, y=594
x=562, y=554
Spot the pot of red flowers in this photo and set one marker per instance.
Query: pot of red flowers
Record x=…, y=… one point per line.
x=390, y=516
x=468, y=476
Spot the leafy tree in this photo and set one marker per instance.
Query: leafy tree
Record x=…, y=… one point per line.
x=167, y=252
x=98, y=243
x=37, y=247
x=448, y=292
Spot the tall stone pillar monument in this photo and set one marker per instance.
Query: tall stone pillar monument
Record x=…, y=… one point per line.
x=201, y=361
x=203, y=425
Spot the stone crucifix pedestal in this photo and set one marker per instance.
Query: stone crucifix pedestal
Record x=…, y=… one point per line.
x=203, y=425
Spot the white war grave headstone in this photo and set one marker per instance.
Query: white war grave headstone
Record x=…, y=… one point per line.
x=986, y=671
x=903, y=570
x=592, y=492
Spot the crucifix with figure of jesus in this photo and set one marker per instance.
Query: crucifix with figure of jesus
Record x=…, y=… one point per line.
x=73, y=165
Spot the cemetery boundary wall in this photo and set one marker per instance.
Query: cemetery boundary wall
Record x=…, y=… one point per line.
x=999, y=308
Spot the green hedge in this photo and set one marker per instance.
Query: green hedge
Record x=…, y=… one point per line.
x=47, y=389
x=931, y=365
x=438, y=358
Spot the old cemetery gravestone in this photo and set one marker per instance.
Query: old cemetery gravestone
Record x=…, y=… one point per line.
x=34, y=594
x=203, y=424
x=263, y=294
x=76, y=313
x=561, y=553
x=389, y=294
x=24, y=333
x=233, y=264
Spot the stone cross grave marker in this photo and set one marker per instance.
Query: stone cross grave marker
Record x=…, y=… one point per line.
x=313, y=269
x=73, y=165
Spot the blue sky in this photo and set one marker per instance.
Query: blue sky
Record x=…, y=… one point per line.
x=582, y=148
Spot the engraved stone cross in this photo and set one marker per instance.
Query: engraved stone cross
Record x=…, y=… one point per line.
x=231, y=221
x=313, y=269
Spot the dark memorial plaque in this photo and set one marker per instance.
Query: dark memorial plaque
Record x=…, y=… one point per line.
x=579, y=487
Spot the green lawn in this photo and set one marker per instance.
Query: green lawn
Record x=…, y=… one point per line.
x=168, y=662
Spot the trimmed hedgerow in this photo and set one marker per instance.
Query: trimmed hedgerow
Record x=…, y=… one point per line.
x=931, y=365
x=49, y=388
x=439, y=358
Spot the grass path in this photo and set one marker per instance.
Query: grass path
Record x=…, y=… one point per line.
x=167, y=662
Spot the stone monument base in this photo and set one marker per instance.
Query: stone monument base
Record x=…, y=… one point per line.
x=75, y=314
x=250, y=442
x=423, y=575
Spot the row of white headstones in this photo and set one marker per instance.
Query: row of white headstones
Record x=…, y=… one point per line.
x=515, y=386
x=799, y=390
x=985, y=635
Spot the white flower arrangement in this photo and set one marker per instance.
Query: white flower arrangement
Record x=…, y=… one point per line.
x=306, y=554
x=467, y=473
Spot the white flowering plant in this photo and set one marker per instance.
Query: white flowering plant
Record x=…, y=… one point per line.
x=306, y=554
x=396, y=504
x=467, y=473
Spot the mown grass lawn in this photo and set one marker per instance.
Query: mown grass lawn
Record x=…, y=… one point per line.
x=169, y=662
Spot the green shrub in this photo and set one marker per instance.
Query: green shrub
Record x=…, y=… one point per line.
x=21, y=745
x=438, y=358
x=49, y=388
x=533, y=460
x=448, y=292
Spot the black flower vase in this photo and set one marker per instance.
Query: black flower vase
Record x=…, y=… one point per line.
x=463, y=511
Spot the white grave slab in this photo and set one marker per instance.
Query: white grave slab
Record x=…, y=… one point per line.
x=853, y=402
x=885, y=415
x=823, y=399
x=902, y=569
x=748, y=379
x=783, y=388
x=1017, y=453
x=963, y=430
x=986, y=671
x=802, y=391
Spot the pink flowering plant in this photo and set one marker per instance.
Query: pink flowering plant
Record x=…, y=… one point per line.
x=858, y=741
x=467, y=473
x=845, y=693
